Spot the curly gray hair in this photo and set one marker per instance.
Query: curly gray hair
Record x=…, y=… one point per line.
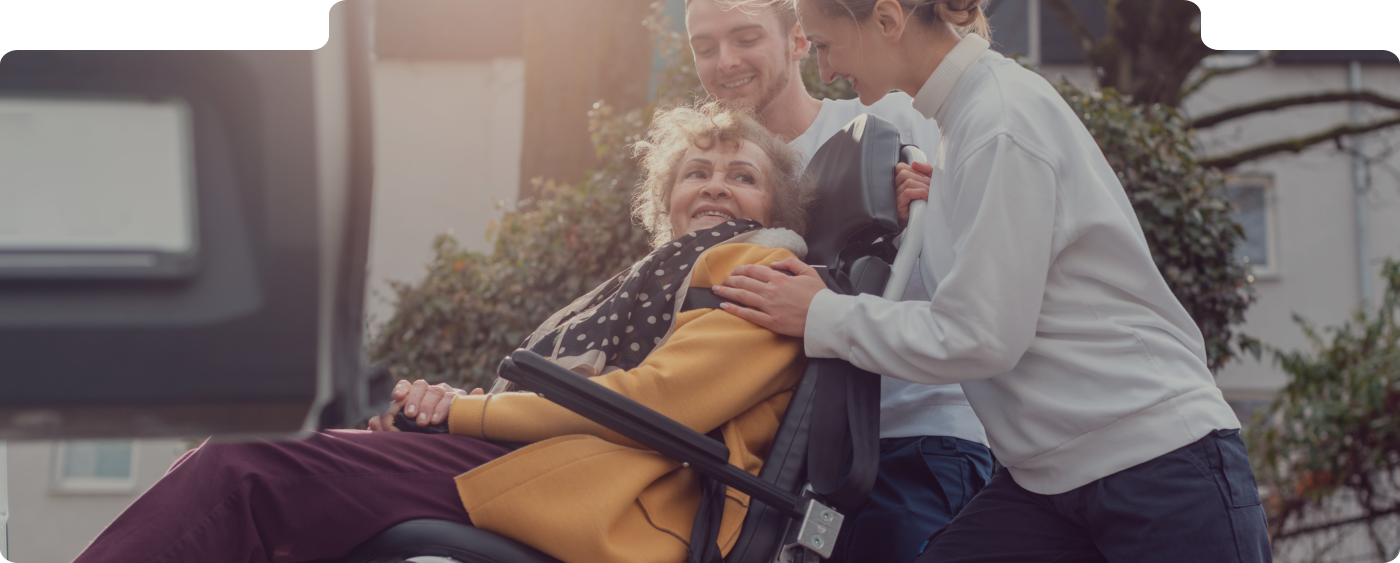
x=675, y=130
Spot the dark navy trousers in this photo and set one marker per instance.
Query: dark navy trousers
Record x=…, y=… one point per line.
x=1198, y=503
x=923, y=482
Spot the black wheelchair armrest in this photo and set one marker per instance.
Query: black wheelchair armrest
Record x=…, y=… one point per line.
x=642, y=425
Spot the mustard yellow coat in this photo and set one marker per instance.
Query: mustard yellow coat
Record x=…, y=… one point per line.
x=584, y=494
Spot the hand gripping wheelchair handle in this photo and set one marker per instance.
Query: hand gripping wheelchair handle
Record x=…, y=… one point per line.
x=644, y=426
x=913, y=239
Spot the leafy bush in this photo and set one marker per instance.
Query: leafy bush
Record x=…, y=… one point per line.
x=472, y=309
x=839, y=89
x=1182, y=208
x=1333, y=432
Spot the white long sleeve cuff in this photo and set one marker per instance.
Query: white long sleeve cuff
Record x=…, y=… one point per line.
x=825, y=333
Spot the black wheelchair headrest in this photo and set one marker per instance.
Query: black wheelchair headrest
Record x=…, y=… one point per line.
x=855, y=206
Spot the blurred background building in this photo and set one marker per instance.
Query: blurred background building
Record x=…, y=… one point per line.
x=474, y=98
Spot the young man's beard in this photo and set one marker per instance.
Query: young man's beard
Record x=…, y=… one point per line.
x=771, y=95
x=760, y=104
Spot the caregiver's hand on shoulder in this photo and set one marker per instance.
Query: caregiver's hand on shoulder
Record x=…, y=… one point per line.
x=771, y=299
x=425, y=404
x=910, y=184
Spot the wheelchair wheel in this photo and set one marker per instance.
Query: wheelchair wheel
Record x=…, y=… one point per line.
x=440, y=541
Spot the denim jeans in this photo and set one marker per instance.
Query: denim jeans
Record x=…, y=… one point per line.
x=1198, y=503
x=923, y=482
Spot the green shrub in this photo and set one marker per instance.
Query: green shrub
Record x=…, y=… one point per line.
x=1333, y=431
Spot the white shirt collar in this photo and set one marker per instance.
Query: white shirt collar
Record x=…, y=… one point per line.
x=940, y=84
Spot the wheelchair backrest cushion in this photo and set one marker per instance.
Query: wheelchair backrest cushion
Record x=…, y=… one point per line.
x=854, y=183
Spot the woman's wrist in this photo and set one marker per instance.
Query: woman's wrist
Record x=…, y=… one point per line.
x=467, y=415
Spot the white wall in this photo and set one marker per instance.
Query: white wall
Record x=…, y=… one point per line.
x=51, y=527
x=4, y=501
x=448, y=140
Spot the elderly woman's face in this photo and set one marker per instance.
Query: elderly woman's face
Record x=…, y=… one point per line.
x=721, y=184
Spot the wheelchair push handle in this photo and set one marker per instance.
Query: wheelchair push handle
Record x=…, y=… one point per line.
x=909, y=154
x=913, y=240
x=406, y=424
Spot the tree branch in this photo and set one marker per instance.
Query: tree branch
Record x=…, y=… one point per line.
x=1366, y=96
x=1076, y=27
x=1296, y=145
x=1218, y=72
x=1369, y=517
x=1122, y=73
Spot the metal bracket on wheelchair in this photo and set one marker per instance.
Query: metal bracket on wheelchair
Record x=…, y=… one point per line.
x=812, y=537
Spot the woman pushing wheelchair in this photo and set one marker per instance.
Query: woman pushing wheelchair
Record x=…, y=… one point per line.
x=1045, y=304
x=714, y=179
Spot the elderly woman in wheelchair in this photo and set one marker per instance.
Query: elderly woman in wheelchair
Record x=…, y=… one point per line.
x=713, y=180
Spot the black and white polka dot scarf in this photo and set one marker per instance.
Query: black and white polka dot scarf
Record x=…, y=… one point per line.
x=618, y=324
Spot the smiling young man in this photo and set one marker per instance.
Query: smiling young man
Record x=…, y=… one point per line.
x=933, y=453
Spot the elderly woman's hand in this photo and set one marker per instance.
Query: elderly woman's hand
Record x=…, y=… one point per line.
x=426, y=404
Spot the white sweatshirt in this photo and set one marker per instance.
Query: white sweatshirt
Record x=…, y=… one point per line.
x=906, y=409
x=1047, y=306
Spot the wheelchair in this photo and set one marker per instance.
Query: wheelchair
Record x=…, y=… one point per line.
x=798, y=497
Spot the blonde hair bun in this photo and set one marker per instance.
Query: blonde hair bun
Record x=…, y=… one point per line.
x=960, y=13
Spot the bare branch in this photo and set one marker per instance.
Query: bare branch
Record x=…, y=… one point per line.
x=1376, y=539
x=1296, y=145
x=1218, y=72
x=1368, y=517
x=1386, y=166
x=1076, y=26
x=1366, y=96
x=1121, y=73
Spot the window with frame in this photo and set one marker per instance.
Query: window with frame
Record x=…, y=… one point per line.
x=1017, y=28
x=1253, y=199
x=1246, y=407
x=1227, y=60
x=94, y=466
x=1021, y=30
